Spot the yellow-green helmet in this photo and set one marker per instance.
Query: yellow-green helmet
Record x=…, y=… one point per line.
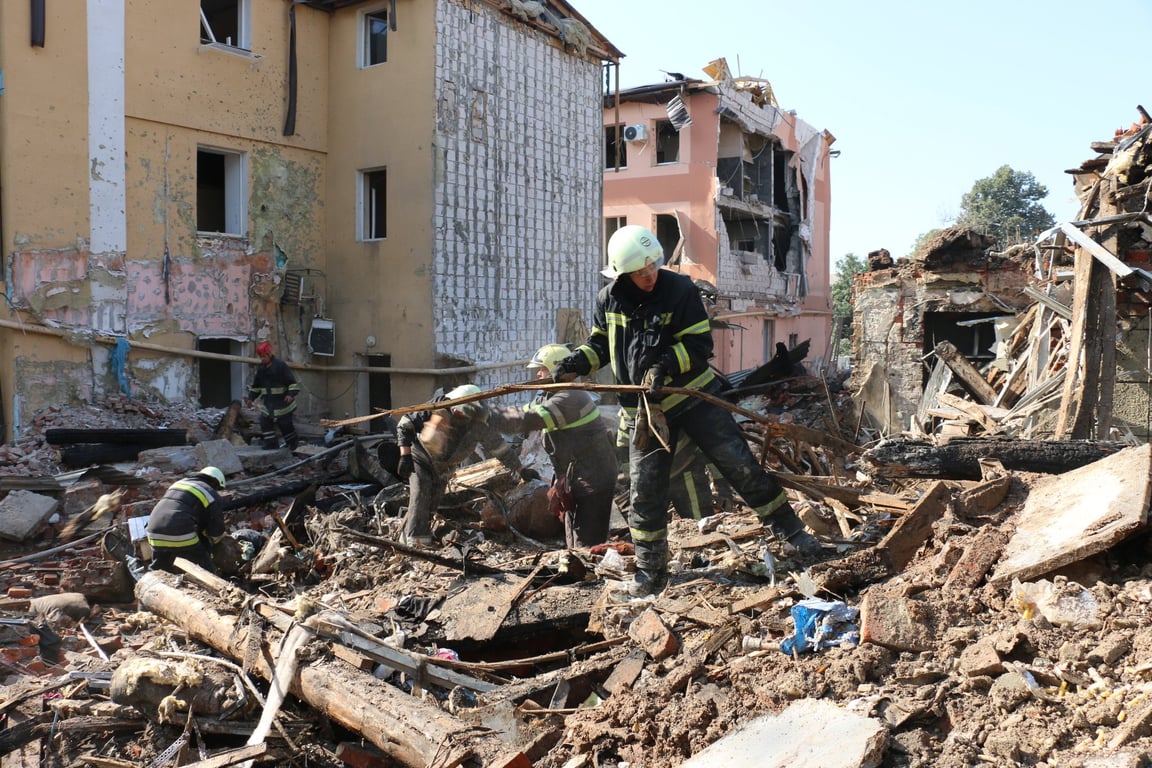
x=548, y=356
x=215, y=474
x=473, y=410
x=632, y=248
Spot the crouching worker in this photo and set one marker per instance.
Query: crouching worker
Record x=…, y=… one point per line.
x=187, y=521
x=433, y=444
x=579, y=446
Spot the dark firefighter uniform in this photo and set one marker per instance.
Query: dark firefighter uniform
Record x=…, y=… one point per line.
x=275, y=388
x=185, y=523
x=668, y=328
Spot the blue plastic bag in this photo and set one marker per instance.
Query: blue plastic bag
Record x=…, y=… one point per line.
x=821, y=624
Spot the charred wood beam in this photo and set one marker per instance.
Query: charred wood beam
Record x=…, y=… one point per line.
x=959, y=459
x=149, y=438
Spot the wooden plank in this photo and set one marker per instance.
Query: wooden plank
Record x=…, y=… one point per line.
x=977, y=412
x=1073, y=393
x=915, y=528
x=1078, y=514
x=966, y=373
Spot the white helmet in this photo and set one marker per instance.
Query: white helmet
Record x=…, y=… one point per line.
x=215, y=474
x=632, y=248
x=549, y=355
x=474, y=410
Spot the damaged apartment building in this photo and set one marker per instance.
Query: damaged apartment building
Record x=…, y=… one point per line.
x=1056, y=331
x=367, y=185
x=737, y=190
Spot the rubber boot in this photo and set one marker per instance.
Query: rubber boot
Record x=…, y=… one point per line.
x=787, y=526
x=651, y=568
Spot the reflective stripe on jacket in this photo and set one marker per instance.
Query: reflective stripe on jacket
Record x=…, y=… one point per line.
x=271, y=385
x=187, y=510
x=633, y=330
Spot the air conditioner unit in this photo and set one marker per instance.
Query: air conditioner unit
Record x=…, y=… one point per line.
x=322, y=337
x=635, y=133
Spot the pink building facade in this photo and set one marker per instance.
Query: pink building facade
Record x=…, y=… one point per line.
x=738, y=192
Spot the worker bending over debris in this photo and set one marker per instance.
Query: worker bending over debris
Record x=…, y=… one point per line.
x=579, y=446
x=433, y=444
x=187, y=521
x=652, y=328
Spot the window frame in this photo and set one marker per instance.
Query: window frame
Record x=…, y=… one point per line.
x=666, y=134
x=243, y=28
x=235, y=191
x=364, y=47
x=608, y=230
x=368, y=211
x=614, y=136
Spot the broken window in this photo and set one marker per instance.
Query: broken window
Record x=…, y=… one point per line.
x=615, y=153
x=375, y=38
x=226, y=22
x=221, y=180
x=780, y=179
x=611, y=224
x=667, y=143
x=374, y=204
x=972, y=333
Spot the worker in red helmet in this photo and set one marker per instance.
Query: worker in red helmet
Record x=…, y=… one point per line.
x=274, y=388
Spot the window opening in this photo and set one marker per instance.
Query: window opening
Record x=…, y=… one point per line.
x=225, y=22
x=668, y=233
x=375, y=38
x=976, y=341
x=615, y=152
x=611, y=224
x=374, y=204
x=220, y=182
x=667, y=143
x=779, y=179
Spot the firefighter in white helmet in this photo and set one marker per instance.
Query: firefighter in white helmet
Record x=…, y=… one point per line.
x=652, y=328
x=433, y=444
x=579, y=446
x=187, y=521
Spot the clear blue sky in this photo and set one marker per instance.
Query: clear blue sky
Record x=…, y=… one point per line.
x=924, y=98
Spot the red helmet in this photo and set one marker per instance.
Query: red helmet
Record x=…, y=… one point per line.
x=263, y=348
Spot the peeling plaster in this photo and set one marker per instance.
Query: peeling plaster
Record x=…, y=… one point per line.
x=283, y=205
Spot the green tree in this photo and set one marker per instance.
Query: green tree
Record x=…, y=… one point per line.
x=924, y=238
x=1006, y=205
x=846, y=270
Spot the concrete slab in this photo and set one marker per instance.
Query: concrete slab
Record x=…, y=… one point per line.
x=172, y=460
x=1069, y=517
x=220, y=454
x=23, y=512
x=811, y=733
x=257, y=461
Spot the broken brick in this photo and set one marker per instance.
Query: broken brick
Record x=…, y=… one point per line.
x=651, y=634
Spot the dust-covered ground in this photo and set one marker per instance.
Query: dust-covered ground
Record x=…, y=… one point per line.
x=1048, y=675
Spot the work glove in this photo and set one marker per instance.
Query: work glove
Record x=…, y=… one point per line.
x=528, y=474
x=654, y=379
x=641, y=435
x=563, y=372
x=404, y=467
